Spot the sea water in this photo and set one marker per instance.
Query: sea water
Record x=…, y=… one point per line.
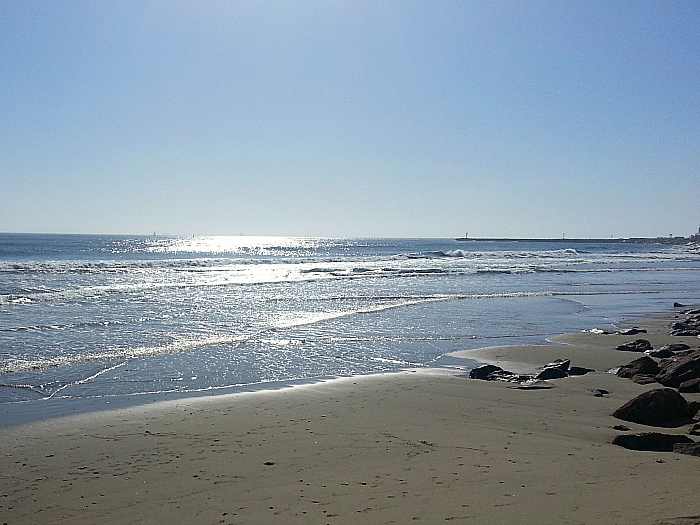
x=106, y=317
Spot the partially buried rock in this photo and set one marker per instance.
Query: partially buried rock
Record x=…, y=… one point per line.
x=691, y=449
x=643, y=365
x=656, y=407
x=651, y=441
x=683, y=520
x=639, y=345
x=679, y=370
x=632, y=331
x=690, y=387
x=562, y=364
x=667, y=350
x=482, y=372
x=552, y=373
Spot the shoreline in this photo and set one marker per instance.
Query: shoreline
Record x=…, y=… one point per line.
x=424, y=445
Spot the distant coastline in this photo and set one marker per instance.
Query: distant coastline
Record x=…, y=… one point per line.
x=631, y=240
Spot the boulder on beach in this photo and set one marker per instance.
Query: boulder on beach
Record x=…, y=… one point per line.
x=651, y=441
x=656, y=407
x=643, y=365
x=482, y=372
x=678, y=370
x=639, y=345
x=667, y=350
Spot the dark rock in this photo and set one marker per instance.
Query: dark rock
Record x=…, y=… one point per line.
x=692, y=449
x=639, y=345
x=562, y=364
x=510, y=377
x=621, y=428
x=690, y=386
x=656, y=407
x=695, y=430
x=652, y=441
x=684, y=520
x=678, y=370
x=552, y=373
x=678, y=305
x=482, y=372
x=599, y=392
x=642, y=365
x=632, y=331
x=579, y=371
x=667, y=350
x=691, y=332
x=643, y=379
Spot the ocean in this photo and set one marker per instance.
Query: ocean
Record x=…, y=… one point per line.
x=89, y=320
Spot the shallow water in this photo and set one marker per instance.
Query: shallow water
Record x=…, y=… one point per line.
x=92, y=317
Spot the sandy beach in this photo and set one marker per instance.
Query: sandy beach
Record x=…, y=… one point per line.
x=426, y=446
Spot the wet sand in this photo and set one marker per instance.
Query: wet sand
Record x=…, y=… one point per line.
x=425, y=446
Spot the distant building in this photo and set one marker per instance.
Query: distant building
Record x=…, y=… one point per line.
x=696, y=236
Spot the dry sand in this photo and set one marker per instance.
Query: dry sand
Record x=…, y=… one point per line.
x=426, y=446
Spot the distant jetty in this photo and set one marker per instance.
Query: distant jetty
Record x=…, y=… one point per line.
x=630, y=240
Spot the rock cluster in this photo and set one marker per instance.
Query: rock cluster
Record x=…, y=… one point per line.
x=555, y=370
x=678, y=367
x=680, y=370
x=689, y=327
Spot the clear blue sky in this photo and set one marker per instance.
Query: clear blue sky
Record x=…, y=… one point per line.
x=350, y=118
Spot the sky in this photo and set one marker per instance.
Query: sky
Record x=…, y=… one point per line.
x=351, y=118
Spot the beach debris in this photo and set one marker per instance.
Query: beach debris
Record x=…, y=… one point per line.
x=651, y=441
x=600, y=392
x=677, y=370
x=621, y=428
x=598, y=331
x=657, y=407
x=638, y=345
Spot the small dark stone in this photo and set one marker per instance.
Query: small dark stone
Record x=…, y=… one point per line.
x=678, y=305
x=651, y=441
x=482, y=372
x=622, y=428
x=599, y=392
x=639, y=345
